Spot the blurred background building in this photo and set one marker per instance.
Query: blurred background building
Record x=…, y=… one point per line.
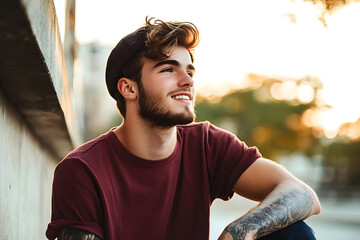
x=100, y=109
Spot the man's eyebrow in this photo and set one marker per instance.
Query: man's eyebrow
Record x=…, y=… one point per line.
x=172, y=62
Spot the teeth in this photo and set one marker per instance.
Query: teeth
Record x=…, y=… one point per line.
x=182, y=97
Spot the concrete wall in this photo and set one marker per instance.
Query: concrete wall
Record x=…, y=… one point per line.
x=39, y=120
x=26, y=171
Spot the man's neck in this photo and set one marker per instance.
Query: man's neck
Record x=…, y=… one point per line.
x=146, y=141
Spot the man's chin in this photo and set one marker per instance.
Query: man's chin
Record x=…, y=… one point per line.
x=181, y=119
x=173, y=120
x=185, y=117
x=167, y=118
x=186, y=121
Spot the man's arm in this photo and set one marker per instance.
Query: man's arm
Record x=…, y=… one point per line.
x=76, y=234
x=283, y=200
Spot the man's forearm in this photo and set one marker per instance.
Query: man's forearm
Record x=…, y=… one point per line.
x=284, y=206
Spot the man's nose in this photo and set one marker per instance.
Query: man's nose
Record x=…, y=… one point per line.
x=185, y=80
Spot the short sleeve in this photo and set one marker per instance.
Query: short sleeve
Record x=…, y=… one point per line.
x=228, y=158
x=75, y=200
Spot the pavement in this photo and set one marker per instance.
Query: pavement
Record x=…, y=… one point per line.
x=339, y=219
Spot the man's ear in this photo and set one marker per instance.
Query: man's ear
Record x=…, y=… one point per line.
x=127, y=88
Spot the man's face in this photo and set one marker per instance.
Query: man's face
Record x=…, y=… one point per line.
x=166, y=91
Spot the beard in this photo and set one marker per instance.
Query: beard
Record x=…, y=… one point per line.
x=152, y=110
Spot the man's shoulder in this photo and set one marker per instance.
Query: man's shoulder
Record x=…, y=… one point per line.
x=91, y=148
x=87, y=157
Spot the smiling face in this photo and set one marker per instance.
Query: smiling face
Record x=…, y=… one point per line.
x=166, y=91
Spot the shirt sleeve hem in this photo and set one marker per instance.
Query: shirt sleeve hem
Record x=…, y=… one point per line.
x=55, y=228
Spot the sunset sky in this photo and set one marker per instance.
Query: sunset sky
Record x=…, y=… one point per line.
x=279, y=38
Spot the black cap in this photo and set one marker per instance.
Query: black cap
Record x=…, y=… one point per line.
x=120, y=55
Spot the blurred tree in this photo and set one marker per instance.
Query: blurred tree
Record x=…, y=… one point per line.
x=350, y=131
x=275, y=127
x=329, y=6
x=341, y=159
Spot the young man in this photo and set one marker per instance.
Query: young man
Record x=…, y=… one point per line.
x=156, y=175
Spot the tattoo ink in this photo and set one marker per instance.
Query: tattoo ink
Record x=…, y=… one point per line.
x=273, y=214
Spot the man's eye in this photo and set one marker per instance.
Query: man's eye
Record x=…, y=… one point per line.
x=191, y=74
x=167, y=70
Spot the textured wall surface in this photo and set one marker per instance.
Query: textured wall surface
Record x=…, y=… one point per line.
x=38, y=126
x=33, y=74
x=26, y=171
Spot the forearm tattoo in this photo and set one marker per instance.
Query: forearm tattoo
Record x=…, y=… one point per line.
x=275, y=213
x=76, y=234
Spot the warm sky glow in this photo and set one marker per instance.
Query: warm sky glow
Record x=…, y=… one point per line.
x=274, y=38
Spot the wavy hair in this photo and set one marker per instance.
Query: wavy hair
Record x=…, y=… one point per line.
x=163, y=37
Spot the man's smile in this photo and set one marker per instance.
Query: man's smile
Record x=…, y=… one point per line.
x=183, y=97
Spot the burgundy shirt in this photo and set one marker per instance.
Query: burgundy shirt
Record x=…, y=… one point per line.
x=104, y=189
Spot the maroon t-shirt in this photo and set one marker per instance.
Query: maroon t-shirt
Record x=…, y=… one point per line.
x=104, y=189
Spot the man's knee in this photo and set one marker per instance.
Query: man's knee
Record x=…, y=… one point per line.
x=296, y=231
x=300, y=231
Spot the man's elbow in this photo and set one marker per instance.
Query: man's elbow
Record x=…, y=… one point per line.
x=314, y=201
x=316, y=206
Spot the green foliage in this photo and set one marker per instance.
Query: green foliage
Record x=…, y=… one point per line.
x=343, y=159
x=274, y=127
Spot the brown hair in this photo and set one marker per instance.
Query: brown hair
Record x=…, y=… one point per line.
x=161, y=38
